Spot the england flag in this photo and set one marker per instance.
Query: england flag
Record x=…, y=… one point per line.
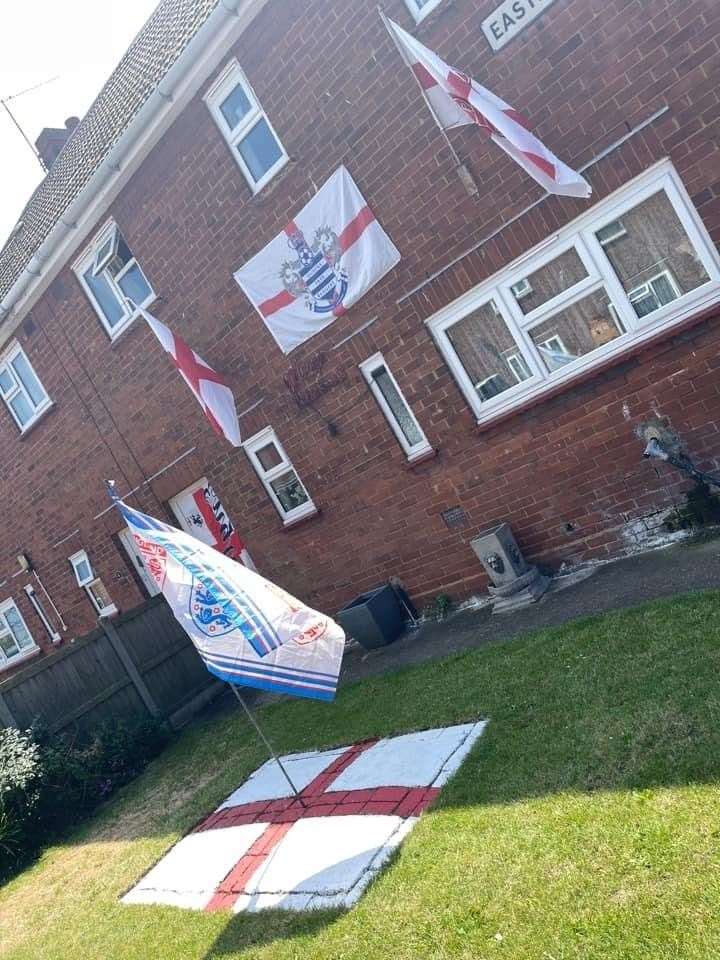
x=326, y=258
x=247, y=630
x=457, y=99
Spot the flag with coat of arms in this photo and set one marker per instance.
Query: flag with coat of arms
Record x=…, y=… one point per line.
x=456, y=99
x=326, y=258
x=247, y=630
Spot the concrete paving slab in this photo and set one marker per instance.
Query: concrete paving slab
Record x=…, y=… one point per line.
x=268, y=783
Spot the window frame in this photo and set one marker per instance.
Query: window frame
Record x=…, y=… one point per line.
x=88, y=260
x=232, y=76
x=15, y=350
x=23, y=652
x=420, y=14
x=257, y=442
x=80, y=556
x=411, y=451
x=580, y=235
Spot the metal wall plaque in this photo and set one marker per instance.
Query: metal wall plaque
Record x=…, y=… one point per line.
x=510, y=19
x=454, y=517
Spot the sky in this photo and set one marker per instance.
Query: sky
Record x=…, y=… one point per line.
x=78, y=41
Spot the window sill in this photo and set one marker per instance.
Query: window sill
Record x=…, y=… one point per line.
x=421, y=457
x=33, y=423
x=582, y=376
x=310, y=515
x=23, y=658
x=116, y=335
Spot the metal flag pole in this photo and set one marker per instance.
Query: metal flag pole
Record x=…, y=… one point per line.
x=265, y=740
x=400, y=50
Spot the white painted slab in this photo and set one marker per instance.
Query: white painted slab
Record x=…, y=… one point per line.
x=324, y=855
x=268, y=783
x=195, y=866
x=413, y=760
x=455, y=760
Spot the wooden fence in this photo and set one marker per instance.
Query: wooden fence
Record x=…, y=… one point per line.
x=141, y=663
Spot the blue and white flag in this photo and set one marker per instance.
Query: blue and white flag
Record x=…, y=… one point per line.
x=247, y=630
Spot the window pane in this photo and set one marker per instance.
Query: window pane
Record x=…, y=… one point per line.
x=134, y=285
x=6, y=381
x=397, y=405
x=235, y=106
x=82, y=570
x=260, y=150
x=17, y=627
x=582, y=327
x=23, y=410
x=485, y=348
x=7, y=643
x=105, y=297
x=26, y=375
x=550, y=280
x=653, y=256
x=269, y=456
x=289, y=491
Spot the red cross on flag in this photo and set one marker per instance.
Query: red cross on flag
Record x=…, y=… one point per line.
x=457, y=99
x=324, y=260
x=210, y=389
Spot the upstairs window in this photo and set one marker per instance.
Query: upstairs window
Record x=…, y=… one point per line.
x=637, y=263
x=278, y=476
x=398, y=414
x=245, y=127
x=15, y=639
x=113, y=280
x=21, y=389
x=421, y=8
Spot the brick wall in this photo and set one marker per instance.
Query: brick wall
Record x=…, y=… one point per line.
x=566, y=473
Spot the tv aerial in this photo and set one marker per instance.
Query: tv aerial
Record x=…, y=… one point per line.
x=4, y=101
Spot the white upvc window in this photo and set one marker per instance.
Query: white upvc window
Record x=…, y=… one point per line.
x=393, y=404
x=16, y=642
x=92, y=585
x=421, y=8
x=636, y=264
x=24, y=395
x=245, y=127
x=113, y=280
x=278, y=476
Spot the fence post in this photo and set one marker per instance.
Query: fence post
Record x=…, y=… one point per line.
x=118, y=646
x=6, y=717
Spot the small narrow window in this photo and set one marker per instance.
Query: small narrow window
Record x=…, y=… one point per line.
x=421, y=8
x=21, y=389
x=113, y=280
x=246, y=128
x=398, y=414
x=278, y=476
x=92, y=585
x=15, y=638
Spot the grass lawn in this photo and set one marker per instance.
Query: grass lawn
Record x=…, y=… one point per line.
x=585, y=823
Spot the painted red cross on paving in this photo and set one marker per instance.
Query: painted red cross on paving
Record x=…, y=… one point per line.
x=317, y=801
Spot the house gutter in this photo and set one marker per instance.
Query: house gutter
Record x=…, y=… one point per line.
x=222, y=28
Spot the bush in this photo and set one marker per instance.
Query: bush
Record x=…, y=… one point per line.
x=48, y=783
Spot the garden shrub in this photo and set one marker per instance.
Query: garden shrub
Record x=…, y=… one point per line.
x=48, y=783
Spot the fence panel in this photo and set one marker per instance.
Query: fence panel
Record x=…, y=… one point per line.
x=140, y=664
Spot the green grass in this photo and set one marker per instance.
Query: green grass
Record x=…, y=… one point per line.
x=585, y=823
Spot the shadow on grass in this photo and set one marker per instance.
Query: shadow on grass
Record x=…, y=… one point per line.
x=259, y=929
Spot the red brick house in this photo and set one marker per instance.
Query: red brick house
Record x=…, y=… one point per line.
x=498, y=372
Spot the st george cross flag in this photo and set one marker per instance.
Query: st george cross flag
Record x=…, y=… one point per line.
x=457, y=99
x=325, y=259
x=247, y=630
x=210, y=389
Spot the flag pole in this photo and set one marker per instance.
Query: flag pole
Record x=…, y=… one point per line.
x=265, y=740
x=400, y=50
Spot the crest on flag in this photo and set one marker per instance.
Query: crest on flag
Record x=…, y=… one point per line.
x=316, y=273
